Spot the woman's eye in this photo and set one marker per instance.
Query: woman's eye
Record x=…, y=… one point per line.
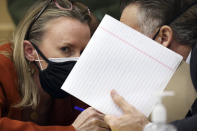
x=65, y=49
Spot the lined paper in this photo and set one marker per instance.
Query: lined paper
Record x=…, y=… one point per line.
x=118, y=57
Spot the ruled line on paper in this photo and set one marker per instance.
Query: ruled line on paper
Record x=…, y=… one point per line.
x=141, y=51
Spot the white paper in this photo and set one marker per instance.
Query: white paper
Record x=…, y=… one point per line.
x=118, y=57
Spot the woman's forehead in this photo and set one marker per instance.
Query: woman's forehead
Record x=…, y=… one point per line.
x=66, y=30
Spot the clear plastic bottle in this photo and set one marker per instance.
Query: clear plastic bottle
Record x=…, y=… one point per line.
x=159, y=117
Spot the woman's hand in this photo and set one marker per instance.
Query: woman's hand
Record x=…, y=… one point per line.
x=131, y=120
x=90, y=120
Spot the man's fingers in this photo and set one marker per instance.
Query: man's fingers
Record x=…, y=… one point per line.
x=122, y=103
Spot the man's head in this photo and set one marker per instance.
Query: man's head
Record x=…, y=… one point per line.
x=165, y=20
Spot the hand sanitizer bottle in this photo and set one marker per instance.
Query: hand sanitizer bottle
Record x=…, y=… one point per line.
x=159, y=116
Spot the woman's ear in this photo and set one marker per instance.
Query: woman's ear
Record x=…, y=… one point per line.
x=165, y=36
x=29, y=51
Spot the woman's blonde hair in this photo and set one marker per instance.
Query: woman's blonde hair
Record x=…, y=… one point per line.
x=27, y=87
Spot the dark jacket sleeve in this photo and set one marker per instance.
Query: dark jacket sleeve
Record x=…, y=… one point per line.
x=187, y=124
x=190, y=122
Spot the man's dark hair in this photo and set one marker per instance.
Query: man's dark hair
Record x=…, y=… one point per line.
x=178, y=14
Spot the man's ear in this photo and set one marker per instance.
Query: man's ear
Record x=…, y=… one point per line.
x=29, y=51
x=165, y=36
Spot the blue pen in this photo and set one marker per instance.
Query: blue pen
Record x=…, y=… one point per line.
x=79, y=108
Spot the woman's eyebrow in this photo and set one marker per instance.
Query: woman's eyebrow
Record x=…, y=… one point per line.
x=67, y=44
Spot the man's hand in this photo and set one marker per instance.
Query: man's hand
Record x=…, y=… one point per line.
x=131, y=120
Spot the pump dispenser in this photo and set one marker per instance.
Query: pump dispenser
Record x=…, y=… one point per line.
x=159, y=116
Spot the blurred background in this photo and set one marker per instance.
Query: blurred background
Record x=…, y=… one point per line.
x=7, y=25
x=11, y=11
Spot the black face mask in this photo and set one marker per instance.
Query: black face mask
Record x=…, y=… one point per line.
x=53, y=77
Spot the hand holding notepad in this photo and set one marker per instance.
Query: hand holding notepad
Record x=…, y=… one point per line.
x=118, y=57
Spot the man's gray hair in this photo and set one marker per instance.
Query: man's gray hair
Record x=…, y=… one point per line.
x=155, y=13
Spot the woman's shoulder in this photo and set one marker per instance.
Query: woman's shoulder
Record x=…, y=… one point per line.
x=8, y=75
x=5, y=55
x=7, y=68
x=6, y=47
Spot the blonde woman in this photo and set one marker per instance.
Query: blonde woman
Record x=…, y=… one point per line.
x=45, y=47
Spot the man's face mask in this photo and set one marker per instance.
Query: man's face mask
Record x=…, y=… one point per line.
x=53, y=77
